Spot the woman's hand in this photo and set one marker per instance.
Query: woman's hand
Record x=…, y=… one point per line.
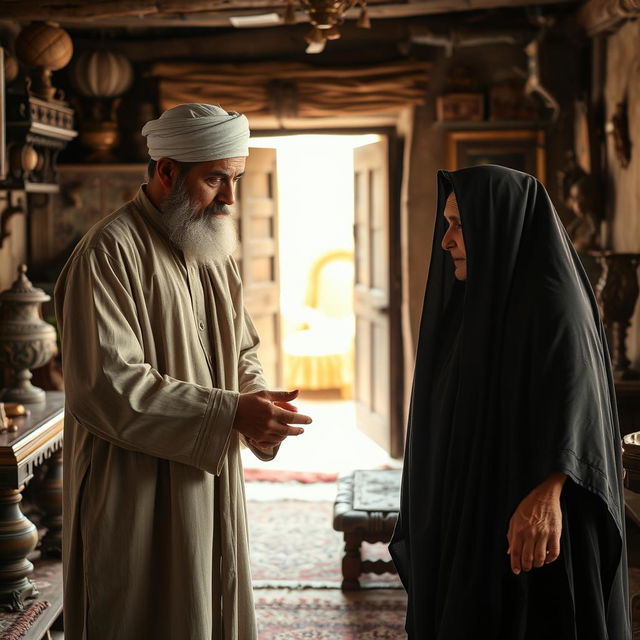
x=536, y=525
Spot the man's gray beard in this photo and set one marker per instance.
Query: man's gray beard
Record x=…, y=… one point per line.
x=201, y=235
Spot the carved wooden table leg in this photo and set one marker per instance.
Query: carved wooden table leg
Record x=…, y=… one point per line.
x=18, y=537
x=49, y=498
x=366, y=508
x=351, y=562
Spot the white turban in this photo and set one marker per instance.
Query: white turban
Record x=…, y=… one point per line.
x=197, y=133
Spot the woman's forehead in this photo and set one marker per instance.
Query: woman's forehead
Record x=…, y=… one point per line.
x=451, y=205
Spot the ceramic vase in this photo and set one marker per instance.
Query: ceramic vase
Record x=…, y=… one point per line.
x=26, y=340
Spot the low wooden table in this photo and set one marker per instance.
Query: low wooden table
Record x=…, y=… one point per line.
x=366, y=509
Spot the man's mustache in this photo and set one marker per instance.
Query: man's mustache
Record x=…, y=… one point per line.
x=217, y=208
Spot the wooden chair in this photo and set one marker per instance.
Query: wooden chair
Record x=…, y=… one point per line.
x=319, y=355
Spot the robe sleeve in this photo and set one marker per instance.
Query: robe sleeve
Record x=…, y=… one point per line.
x=250, y=377
x=113, y=392
x=573, y=430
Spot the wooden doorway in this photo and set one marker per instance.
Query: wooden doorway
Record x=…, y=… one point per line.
x=377, y=302
x=258, y=259
x=378, y=385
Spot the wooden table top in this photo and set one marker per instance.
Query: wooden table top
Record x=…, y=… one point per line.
x=39, y=435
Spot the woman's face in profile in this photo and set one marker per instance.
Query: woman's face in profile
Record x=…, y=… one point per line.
x=453, y=240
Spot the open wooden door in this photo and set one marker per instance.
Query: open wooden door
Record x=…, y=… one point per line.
x=258, y=256
x=378, y=361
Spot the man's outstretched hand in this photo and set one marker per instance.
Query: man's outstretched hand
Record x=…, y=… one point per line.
x=264, y=418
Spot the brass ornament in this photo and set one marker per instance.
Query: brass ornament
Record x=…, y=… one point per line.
x=43, y=47
x=11, y=413
x=617, y=293
x=325, y=17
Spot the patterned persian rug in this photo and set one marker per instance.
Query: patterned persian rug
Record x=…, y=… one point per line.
x=16, y=625
x=275, y=475
x=293, y=545
x=331, y=615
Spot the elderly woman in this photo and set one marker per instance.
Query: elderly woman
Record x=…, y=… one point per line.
x=511, y=524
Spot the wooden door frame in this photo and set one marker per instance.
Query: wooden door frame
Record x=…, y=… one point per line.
x=257, y=295
x=395, y=145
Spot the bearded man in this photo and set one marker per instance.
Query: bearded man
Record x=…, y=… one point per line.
x=162, y=386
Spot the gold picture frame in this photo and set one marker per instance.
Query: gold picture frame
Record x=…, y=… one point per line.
x=521, y=149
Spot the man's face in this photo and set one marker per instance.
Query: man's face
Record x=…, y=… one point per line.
x=196, y=210
x=453, y=240
x=211, y=185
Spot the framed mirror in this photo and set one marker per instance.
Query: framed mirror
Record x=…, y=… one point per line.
x=521, y=149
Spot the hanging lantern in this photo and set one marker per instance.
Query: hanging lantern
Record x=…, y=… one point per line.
x=102, y=77
x=101, y=74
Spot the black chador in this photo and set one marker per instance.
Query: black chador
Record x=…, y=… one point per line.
x=512, y=383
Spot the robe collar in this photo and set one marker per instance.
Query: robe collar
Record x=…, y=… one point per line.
x=151, y=212
x=154, y=217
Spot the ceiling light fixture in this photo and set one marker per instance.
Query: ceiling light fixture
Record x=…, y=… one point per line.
x=325, y=17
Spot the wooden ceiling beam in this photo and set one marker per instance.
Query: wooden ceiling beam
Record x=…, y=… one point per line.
x=273, y=43
x=29, y=10
x=182, y=13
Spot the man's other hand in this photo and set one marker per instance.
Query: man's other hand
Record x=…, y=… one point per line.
x=265, y=417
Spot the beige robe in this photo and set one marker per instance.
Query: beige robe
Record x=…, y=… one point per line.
x=156, y=349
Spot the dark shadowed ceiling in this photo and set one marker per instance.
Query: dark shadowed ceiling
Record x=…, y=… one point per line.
x=224, y=13
x=196, y=29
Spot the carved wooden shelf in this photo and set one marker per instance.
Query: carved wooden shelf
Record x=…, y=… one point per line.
x=44, y=127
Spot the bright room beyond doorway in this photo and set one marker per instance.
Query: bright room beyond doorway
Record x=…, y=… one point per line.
x=315, y=187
